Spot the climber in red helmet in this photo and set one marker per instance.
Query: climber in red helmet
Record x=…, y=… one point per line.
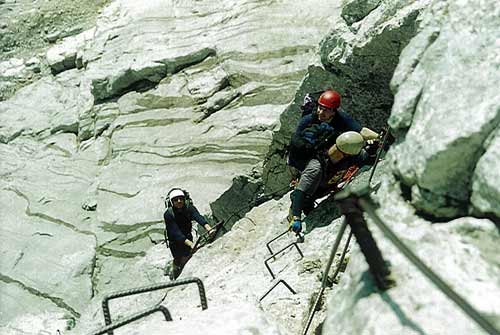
x=329, y=111
x=328, y=115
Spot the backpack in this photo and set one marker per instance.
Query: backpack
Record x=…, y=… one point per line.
x=310, y=143
x=310, y=102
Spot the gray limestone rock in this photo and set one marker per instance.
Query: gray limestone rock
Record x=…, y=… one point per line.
x=88, y=155
x=485, y=196
x=364, y=59
x=446, y=106
x=35, y=241
x=14, y=67
x=53, y=36
x=128, y=72
x=63, y=56
x=356, y=10
x=48, y=106
x=107, y=173
x=451, y=249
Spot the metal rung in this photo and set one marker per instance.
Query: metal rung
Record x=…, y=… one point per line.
x=120, y=294
x=276, y=284
x=279, y=252
x=274, y=239
x=133, y=318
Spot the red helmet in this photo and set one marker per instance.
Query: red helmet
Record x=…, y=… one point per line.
x=330, y=99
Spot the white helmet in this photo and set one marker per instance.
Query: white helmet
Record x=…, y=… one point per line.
x=350, y=142
x=176, y=193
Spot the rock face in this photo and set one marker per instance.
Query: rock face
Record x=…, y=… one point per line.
x=156, y=95
x=355, y=10
x=48, y=251
x=29, y=28
x=205, y=95
x=446, y=107
x=364, y=55
x=64, y=56
x=443, y=160
x=46, y=107
x=485, y=197
x=457, y=251
x=235, y=278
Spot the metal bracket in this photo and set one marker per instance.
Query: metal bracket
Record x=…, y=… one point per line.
x=279, y=252
x=121, y=294
x=276, y=284
x=132, y=318
x=274, y=239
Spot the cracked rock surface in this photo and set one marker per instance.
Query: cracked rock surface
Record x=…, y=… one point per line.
x=205, y=95
x=155, y=95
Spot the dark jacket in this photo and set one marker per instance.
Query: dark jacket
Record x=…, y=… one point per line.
x=178, y=224
x=341, y=122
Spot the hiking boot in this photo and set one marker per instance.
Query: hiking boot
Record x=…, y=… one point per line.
x=176, y=272
x=300, y=237
x=385, y=282
x=167, y=270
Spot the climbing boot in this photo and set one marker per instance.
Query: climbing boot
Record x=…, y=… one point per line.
x=167, y=270
x=385, y=281
x=176, y=271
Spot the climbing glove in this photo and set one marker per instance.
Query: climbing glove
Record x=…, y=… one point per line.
x=296, y=226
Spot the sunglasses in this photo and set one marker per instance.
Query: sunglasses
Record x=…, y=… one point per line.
x=178, y=199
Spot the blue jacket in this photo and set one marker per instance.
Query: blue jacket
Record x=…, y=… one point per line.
x=178, y=222
x=341, y=122
x=178, y=227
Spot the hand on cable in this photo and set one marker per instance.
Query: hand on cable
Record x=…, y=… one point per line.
x=296, y=226
x=373, y=141
x=211, y=231
x=189, y=243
